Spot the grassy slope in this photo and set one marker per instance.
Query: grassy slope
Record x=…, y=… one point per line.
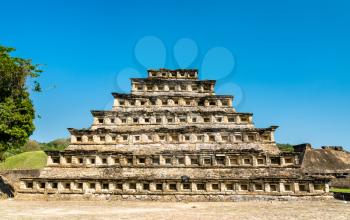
x=27, y=160
x=340, y=190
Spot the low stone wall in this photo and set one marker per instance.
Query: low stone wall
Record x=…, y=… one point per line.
x=10, y=180
x=170, y=198
x=340, y=183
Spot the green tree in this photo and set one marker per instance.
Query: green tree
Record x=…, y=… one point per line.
x=16, y=109
x=285, y=147
x=31, y=145
x=58, y=144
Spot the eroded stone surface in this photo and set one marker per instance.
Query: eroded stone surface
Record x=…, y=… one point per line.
x=173, y=139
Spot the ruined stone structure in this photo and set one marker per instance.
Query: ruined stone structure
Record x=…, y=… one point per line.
x=172, y=137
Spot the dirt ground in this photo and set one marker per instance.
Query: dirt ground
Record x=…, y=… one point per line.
x=330, y=209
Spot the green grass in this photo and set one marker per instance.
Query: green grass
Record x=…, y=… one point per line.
x=340, y=190
x=27, y=160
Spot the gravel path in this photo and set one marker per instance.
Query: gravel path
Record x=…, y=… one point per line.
x=331, y=209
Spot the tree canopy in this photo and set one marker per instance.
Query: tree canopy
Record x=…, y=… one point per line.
x=16, y=109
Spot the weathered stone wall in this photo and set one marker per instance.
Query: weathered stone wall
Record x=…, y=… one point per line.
x=326, y=161
x=10, y=179
x=173, y=139
x=341, y=183
x=173, y=198
x=6, y=190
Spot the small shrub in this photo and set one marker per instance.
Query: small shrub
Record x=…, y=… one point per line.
x=31, y=146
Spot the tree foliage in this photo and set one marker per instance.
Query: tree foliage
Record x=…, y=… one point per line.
x=285, y=147
x=16, y=109
x=58, y=144
x=31, y=145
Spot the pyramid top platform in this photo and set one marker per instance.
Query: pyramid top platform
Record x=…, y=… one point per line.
x=173, y=74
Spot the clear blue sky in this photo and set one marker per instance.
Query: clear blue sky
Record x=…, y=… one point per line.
x=292, y=58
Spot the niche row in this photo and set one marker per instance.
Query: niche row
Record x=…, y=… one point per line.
x=206, y=88
x=176, y=161
x=172, y=102
x=122, y=186
x=165, y=73
x=168, y=138
x=173, y=119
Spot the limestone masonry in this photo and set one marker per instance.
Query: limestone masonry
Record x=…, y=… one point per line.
x=172, y=137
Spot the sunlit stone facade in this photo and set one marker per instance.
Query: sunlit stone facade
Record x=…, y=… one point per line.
x=174, y=137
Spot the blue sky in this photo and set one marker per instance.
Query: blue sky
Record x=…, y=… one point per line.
x=291, y=58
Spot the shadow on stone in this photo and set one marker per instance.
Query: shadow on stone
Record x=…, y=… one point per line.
x=342, y=196
x=6, y=188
